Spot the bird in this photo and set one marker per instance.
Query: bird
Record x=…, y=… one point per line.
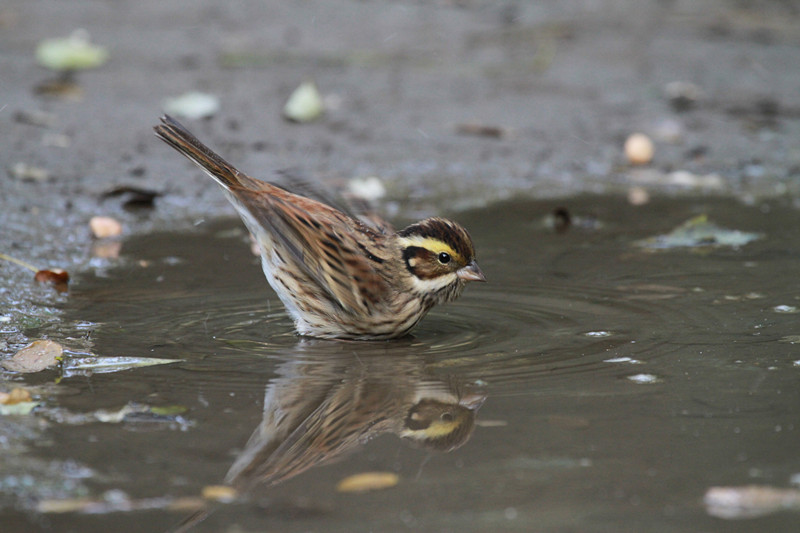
x=325, y=402
x=340, y=275
x=322, y=406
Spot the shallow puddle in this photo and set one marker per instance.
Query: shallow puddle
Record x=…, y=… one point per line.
x=594, y=385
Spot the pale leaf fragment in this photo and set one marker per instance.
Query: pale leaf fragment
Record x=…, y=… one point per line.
x=105, y=365
x=305, y=104
x=749, y=501
x=699, y=232
x=35, y=357
x=367, y=481
x=75, y=52
x=219, y=493
x=17, y=409
x=192, y=105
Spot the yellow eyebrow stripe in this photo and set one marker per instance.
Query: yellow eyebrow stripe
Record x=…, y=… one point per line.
x=435, y=430
x=429, y=243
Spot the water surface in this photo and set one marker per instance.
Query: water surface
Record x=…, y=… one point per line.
x=603, y=387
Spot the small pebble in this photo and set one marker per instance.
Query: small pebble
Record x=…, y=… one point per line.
x=639, y=149
x=103, y=227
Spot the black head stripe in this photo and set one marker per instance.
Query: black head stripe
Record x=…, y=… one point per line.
x=410, y=253
x=446, y=231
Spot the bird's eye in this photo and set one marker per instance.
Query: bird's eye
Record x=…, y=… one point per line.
x=444, y=258
x=447, y=417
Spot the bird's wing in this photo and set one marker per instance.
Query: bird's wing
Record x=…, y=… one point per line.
x=340, y=255
x=296, y=181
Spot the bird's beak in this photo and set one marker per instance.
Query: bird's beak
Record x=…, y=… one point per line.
x=472, y=401
x=471, y=272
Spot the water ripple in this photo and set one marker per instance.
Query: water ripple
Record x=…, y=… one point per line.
x=502, y=334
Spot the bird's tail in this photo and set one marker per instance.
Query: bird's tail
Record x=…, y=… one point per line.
x=174, y=134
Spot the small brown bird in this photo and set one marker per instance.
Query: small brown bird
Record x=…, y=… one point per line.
x=339, y=275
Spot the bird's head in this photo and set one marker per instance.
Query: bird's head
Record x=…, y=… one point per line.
x=440, y=257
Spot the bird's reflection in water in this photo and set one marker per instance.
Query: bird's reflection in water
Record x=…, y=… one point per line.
x=329, y=399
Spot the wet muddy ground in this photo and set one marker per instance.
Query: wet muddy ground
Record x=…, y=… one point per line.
x=453, y=106
x=564, y=83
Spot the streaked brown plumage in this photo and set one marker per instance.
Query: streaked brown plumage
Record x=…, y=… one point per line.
x=318, y=410
x=340, y=276
x=323, y=404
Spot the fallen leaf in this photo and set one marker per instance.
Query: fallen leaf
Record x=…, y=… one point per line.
x=17, y=395
x=192, y=105
x=491, y=423
x=35, y=357
x=130, y=413
x=58, y=277
x=219, y=493
x=18, y=409
x=17, y=402
x=115, y=501
x=186, y=504
x=749, y=501
x=367, y=481
x=169, y=410
x=370, y=188
x=305, y=104
x=66, y=505
x=644, y=379
x=115, y=417
x=697, y=232
x=71, y=366
x=75, y=52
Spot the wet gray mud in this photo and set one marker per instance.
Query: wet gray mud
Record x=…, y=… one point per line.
x=591, y=385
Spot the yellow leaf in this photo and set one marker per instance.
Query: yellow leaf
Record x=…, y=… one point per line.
x=220, y=493
x=368, y=481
